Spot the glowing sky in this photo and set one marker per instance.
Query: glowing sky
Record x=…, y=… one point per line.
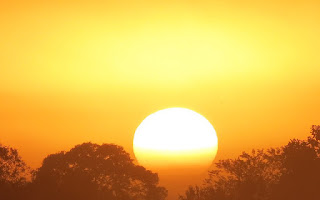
x=74, y=71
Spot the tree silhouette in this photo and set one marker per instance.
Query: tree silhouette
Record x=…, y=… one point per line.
x=92, y=171
x=301, y=169
x=247, y=177
x=13, y=173
x=290, y=172
x=101, y=172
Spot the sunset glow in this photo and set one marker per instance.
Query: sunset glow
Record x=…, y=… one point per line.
x=179, y=85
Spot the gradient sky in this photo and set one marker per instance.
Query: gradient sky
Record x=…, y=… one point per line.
x=76, y=71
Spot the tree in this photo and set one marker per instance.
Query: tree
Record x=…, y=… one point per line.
x=301, y=164
x=290, y=172
x=13, y=173
x=314, y=139
x=97, y=172
x=247, y=177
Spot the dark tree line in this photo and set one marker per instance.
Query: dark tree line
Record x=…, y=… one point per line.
x=290, y=172
x=88, y=171
x=106, y=172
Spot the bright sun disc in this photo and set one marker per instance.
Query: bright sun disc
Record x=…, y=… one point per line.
x=175, y=137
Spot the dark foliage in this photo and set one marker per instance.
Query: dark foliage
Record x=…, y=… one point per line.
x=106, y=172
x=86, y=172
x=290, y=172
x=91, y=171
x=13, y=173
x=301, y=166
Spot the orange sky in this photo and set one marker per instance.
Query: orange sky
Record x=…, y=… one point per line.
x=74, y=71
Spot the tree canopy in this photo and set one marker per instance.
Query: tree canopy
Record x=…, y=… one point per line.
x=106, y=172
x=92, y=171
x=290, y=172
x=13, y=173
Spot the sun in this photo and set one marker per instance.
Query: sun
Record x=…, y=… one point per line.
x=175, y=138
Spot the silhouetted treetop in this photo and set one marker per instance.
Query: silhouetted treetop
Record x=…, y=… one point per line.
x=301, y=169
x=92, y=171
x=290, y=172
x=12, y=168
x=13, y=173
